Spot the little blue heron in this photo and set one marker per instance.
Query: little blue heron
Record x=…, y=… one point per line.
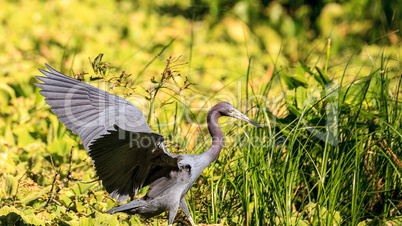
x=127, y=155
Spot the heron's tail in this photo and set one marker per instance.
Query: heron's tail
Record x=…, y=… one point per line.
x=129, y=208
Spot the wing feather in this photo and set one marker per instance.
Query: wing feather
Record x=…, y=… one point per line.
x=86, y=110
x=124, y=165
x=112, y=130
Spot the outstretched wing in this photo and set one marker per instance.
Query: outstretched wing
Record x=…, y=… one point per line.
x=124, y=159
x=107, y=125
x=86, y=110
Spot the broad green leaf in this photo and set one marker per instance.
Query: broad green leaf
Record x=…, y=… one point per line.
x=34, y=195
x=294, y=110
x=60, y=146
x=23, y=136
x=14, y=215
x=65, y=199
x=84, y=221
x=323, y=76
x=293, y=82
x=9, y=136
x=105, y=219
x=82, y=188
x=11, y=184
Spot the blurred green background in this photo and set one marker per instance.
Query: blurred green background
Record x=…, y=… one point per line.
x=268, y=54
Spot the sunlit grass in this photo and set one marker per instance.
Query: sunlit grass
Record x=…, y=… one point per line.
x=330, y=150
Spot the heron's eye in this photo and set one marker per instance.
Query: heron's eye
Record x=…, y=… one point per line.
x=231, y=110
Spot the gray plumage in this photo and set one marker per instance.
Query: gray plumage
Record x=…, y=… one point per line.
x=127, y=155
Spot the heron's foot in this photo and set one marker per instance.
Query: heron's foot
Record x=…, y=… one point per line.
x=186, y=211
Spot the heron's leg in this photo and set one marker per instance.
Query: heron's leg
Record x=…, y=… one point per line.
x=172, y=214
x=186, y=211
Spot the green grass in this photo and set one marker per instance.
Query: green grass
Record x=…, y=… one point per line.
x=328, y=96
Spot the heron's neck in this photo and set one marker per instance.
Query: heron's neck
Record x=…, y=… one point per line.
x=216, y=134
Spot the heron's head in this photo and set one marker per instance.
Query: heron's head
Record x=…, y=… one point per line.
x=226, y=109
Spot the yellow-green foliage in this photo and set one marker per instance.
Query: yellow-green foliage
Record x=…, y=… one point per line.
x=231, y=56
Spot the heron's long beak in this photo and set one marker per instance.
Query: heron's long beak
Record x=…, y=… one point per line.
x=238, y=115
